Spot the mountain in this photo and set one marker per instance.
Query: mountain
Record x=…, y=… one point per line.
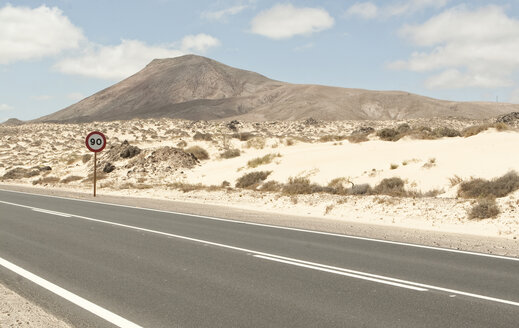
x=198, y=88
x=13, y=122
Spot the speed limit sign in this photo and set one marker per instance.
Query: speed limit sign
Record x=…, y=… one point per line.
x=96, y=142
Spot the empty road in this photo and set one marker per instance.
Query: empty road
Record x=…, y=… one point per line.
x=103, y=265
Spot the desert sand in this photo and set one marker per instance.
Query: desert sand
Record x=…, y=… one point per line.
x=54, y=156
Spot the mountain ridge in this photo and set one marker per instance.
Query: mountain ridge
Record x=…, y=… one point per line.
x=199, y=88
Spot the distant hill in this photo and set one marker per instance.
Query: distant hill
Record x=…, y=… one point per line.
x=198, y=88
x=13, y=121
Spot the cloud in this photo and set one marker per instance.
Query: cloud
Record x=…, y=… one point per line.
x=115, y=62
x=413, y=6
x=199, y=43
x=286, y=21
x=465, y=48
x=5, y=107
x=363, y=9
x=368, y=10
x=222, y=14
x=27, y=33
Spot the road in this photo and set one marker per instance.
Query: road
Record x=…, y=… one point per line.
x=103, y=265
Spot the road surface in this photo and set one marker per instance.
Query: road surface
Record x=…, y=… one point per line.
x=103, y=265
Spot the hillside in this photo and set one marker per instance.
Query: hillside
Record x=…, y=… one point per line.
x=198, y=88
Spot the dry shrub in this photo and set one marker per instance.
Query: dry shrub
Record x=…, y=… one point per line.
x=476, y=129
x=455, y=180
x=252, y=179
x=199, y=152
x=71, y=178
x=297, y=186
x=256, y=142
x=484, y=209
x=203, y=137
x=389, y=134
x=49, y=179
x=181, y=144
x=272, y=186
x=19, y=173
x=86, y=158
x=446, y=132
x=362, y=189
x=393, y=166
x=243, y=136
x=267, y=159
x=496, y=188
x=230, y=153
x=391, y=187
x=358, y=138
x=186, y=187
x=331, y=137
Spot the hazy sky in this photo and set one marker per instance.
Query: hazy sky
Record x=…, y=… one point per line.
x=54, y=53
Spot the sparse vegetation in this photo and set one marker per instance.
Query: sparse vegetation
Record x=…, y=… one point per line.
x=46, y=180
x=202, y=137
x=230, y=153
x=181, y=144
x=267, y=159
x=484, y=209
x=70, y=178
x=496, y=188
x=199, y=152
x=86, y=158
x=243, y=136
x=391, y=187
x=252, y=179
x=393, y=166
x=477, y=129
x=256, y=142
x=300, y=185
x=271, y=186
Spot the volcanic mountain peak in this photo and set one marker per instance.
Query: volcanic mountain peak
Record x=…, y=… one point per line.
x=199, y=88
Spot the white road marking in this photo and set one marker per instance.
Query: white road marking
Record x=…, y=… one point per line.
x=319, y=268
x=302, y=263
x=51, y=212
x=71, y=297
x=278, y=227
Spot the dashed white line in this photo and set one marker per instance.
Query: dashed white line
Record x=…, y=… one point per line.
x=301, y=263
x=276, y=227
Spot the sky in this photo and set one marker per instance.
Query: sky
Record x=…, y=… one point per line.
x=54, y=53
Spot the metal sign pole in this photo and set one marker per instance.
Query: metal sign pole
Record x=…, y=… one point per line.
x=95, y=172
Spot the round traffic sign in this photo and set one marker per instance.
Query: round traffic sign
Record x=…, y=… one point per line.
x=95, y=141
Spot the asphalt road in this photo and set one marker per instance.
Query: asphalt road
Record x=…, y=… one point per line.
x=102, y=265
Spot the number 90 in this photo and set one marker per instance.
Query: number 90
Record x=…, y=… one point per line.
x=96, y=141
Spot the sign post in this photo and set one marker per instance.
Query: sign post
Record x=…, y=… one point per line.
x=95, y=142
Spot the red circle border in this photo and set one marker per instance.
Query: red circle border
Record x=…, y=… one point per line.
x=102, y=136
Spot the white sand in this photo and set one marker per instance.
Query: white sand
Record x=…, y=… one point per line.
x=428, y=165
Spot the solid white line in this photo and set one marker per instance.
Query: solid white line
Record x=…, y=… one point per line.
x=51, y=212
x=292, y=260
x=278, y=227
x=71, y=297
x=362, y=277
